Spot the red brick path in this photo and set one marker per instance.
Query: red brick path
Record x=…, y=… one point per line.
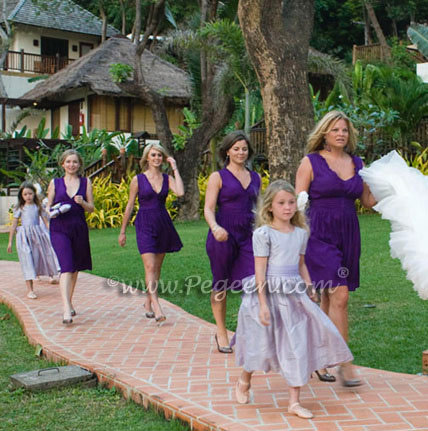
x=176, y=368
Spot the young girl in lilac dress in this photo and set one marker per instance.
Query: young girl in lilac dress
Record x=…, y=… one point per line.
x=233, y=190
x=329, y=174
x=68, y=230
x=156, y=234
x=279, y=327
x=32, y=240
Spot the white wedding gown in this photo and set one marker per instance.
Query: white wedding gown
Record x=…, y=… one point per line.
x=402, y=198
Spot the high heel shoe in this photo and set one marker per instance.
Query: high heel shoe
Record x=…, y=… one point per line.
x=325, y=377
x=150, y=315
x=242, y=396
x=160, y=319
x=222, y=349
x=348, y=383
x=67, y=321
x=73, y=313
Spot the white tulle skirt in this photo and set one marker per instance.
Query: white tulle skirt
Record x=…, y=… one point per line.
x=402, y=196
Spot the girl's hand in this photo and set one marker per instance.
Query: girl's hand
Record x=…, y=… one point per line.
x=9, y=248
x=220, y=234
x=78, y=199
x=122, y=239
x=172, y=162
x=264, y=315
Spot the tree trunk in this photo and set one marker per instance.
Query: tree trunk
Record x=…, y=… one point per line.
x=367, y=34
x=277, y=35
x=104, y=24
x=123, y=15
x=378, y=30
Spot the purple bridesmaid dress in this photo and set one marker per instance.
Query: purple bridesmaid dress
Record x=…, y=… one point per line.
x=233, y=260
x=69, y=231
x=153, y=225
x=334, y=246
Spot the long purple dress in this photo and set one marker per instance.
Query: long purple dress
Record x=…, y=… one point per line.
x=69, y=231
x=233, y=260
x=153, y=225
x=334, y=246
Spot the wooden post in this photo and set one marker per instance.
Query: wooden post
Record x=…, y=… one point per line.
x=22, y=61
x=3, y=117
x=354, y=54
x=425, y=362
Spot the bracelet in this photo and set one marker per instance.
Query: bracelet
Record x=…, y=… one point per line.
x=215, y=228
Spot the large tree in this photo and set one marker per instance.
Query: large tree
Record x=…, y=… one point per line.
x=277, y=34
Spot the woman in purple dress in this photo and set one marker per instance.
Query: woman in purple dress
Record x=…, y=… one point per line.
x=69, y=231
x=329, y=174
x=156, y=234
x=233, y=190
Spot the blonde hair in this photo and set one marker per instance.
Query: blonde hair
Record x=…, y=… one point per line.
x=316, y=138
x=264, y=214
x=158, y=147
x=68, y=153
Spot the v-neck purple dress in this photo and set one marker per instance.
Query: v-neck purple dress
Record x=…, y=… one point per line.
x=153, y=225
x=69, y=231
x=334, y=246
x=233, y=260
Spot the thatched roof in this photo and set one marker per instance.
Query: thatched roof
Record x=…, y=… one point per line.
x=59, y=14
x=92, y=72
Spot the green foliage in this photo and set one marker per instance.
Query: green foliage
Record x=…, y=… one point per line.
x=418, y=34
x=186, y=130
x=418, y=160
x=110, y=201
x=120, y=72
x=401, y=57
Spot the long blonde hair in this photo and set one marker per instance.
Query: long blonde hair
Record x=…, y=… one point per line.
x=316, y=138
x=158, y=147
x=68, y=153
x=264, y=214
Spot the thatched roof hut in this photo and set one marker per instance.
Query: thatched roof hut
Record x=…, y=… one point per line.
x=91, y=72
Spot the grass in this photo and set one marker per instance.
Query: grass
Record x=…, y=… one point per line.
x=390, y=336
x=64, y=409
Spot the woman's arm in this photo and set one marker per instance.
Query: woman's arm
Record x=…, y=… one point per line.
x=88, y=204
x=133, y=191
x=51, y=195
x=367, y=199
x=304, y=273
x=211, y=195
x=304, y=176
x=260, y=265
x=11, y=233
x=175, y=182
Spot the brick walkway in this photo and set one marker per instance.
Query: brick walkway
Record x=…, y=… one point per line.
x=176, y=368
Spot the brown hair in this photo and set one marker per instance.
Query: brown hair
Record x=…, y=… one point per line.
x=229, y=140
x=316, y=138
x=21, y=201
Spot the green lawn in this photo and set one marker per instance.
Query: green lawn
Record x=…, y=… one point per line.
x=62, y=409
x=390, y=336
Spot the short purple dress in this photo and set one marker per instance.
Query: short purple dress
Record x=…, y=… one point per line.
x=334, y=246
x=233, y=260
x=153, y=225
x=69, y=231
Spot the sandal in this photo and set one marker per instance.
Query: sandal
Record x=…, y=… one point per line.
x=300, y=411
x=242, y=396
x=150, y=315
x=31, y=295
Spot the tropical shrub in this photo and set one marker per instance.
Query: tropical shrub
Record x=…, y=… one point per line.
x=419, y=159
